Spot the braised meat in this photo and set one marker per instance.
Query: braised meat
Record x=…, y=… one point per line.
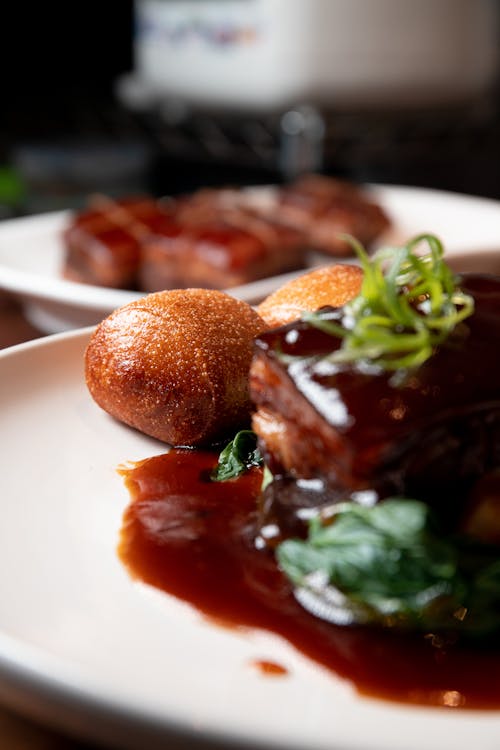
x=323, y=208
x=215, y=238
x=430, y=435
x=224, y=253
x=207, y=240
x=103, y=244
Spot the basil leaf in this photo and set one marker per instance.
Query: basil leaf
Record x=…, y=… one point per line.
x=240, y=455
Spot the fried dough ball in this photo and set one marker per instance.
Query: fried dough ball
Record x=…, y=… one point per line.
x=175, y=364
x=329, y=285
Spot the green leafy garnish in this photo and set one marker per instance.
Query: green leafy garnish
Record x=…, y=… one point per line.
x=409, y=303
x=388, y=565
x=240, y=455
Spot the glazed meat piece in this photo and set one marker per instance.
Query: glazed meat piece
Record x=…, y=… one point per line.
x=430, y=436
x=201, y=206
x=213, y=238
x=224, y=252
x=103, y=244
x=218, y=239
x=105, y=256
x=323, y=208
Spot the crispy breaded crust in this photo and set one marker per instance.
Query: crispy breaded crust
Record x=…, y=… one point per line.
x=329, y=285
x=175, y=364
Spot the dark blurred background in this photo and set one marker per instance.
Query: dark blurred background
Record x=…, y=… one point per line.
x=75, y=120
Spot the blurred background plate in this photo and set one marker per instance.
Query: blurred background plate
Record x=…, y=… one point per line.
x=31, y=253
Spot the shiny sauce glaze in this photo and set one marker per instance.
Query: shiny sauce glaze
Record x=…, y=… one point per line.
x=195, y=540
x=430, y=434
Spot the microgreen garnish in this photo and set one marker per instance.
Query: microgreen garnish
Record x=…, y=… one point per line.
x=409, y=303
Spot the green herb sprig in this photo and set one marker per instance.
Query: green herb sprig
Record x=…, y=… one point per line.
x=408, y=304
x=240, y=455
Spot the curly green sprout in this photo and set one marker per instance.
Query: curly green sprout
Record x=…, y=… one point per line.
x=409, y=303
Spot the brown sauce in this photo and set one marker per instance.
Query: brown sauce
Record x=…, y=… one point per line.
x=429, y=434
x=269, y=668
x=195, y=540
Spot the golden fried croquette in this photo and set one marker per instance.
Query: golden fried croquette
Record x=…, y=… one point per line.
x=175, y=364
x=329, y=285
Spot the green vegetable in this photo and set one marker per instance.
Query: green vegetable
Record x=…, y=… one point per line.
x=408, y=305
x=238, y=456
x=389, y=565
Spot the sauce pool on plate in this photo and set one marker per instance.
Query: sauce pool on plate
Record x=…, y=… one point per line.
x=195, y=540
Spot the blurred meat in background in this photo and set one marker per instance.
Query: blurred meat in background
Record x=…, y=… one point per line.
x=166, y=96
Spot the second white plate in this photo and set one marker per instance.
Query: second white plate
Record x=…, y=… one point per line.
x=31, y=253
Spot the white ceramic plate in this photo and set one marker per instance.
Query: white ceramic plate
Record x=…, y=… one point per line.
x=31, y=253
x=84, y=647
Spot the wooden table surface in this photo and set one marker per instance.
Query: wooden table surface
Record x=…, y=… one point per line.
x=14, y=328
x=17, y=733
